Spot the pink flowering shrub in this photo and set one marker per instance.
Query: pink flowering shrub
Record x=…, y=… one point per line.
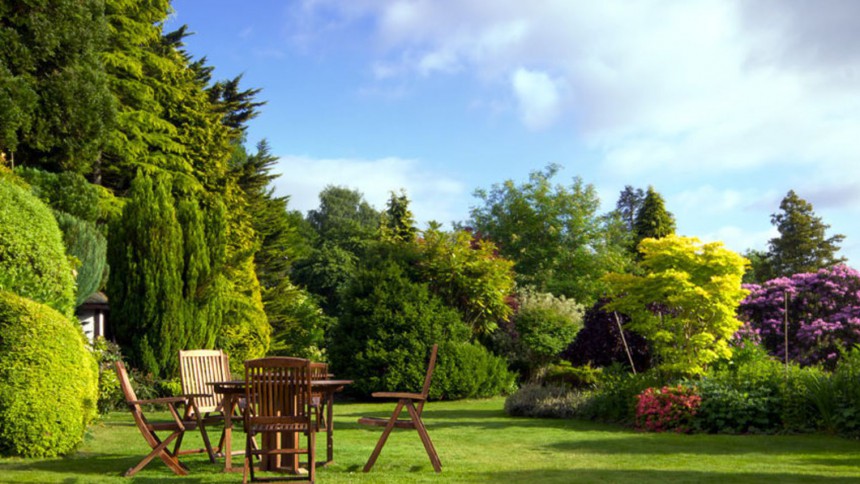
x=667, y=408
x=823, y=314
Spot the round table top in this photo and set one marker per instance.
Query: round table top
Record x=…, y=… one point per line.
x=226, y=386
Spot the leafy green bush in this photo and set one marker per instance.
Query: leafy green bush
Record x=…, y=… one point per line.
x=743, y=394
x=468, y=370
x=614, y=399
x=33, y=260
x=546, y=401
x=67, y=192
x=107, y=354
x=387, y=327
x=48, y=380
x=564, y=373
x=837, y=396
x=546, y=325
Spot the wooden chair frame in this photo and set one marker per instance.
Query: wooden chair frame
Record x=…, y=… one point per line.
x=279, y=405
x=319, y=371
x=198, y=368
x=413, y=422
x=190, y=420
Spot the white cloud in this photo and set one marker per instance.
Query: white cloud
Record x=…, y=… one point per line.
x=713, y=85
x=434, y=196
x=740, y=240
x=538, y=97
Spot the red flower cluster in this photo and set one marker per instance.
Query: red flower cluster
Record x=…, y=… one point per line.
x=667, y=408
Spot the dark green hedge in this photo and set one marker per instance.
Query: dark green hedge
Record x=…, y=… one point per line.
x=48, y=380
x=386, y=330
x=33, y=260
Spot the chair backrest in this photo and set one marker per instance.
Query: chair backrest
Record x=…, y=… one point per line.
x=430, y=366
x=197, y=369
x=130, y=396
x=278, y=391
x=125, y=382
x=319, y=371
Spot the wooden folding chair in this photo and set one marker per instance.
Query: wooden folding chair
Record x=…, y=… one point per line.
x=197, y=369
x=278, y=395
x=319, y=371
x=413, y=422
x=190, y=420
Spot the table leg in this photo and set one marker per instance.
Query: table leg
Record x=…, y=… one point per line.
x=329, y=423
x=227, y=407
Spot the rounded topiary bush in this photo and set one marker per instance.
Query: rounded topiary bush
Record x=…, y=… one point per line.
x=468, y=370
x=33, y=260
x=48, y=380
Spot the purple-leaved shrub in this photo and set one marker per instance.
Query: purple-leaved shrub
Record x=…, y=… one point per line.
x=823, y=314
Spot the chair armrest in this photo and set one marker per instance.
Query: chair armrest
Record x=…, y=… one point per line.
x=398, y=395
x=164, y=400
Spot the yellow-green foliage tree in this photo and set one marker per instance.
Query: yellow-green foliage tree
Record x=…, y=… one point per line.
x=685, y=303
x=469, y=275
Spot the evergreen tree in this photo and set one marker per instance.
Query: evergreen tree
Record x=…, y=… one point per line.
x=802, y=245
x=652, y=219
x=629, y=202
x=204, y=285
x=86, y=244
x=298, y=324
x=57, y=108
x=145, y=248
x=398, y=224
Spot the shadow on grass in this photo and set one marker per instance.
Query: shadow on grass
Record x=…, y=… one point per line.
x=672, y=444
x=483, y=419
x=638, y=476
x=92, y=464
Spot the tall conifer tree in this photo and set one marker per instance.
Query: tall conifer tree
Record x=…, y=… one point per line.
x=145, y=250
x=653, y=220
x=802, y=245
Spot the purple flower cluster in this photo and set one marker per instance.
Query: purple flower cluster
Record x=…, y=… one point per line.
x=823, y=314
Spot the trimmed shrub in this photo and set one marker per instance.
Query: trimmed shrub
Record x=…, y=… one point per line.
x=48, y=380
x=33, y=260
x=468, y=370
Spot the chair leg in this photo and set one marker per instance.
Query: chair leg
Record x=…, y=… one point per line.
x=425, y=437
x=249, y=462
x=206, y=442
x=161, y=451
x=177, y=447
x=312, y=467
x=388, y=427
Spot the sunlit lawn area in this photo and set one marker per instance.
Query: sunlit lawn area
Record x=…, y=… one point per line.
x=477, y=442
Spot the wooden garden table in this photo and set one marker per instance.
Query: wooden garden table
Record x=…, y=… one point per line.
x=234, y=390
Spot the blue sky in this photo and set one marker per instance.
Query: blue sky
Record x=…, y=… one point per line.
x=721, y=105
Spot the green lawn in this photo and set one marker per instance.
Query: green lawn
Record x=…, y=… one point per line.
x=477, y=442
